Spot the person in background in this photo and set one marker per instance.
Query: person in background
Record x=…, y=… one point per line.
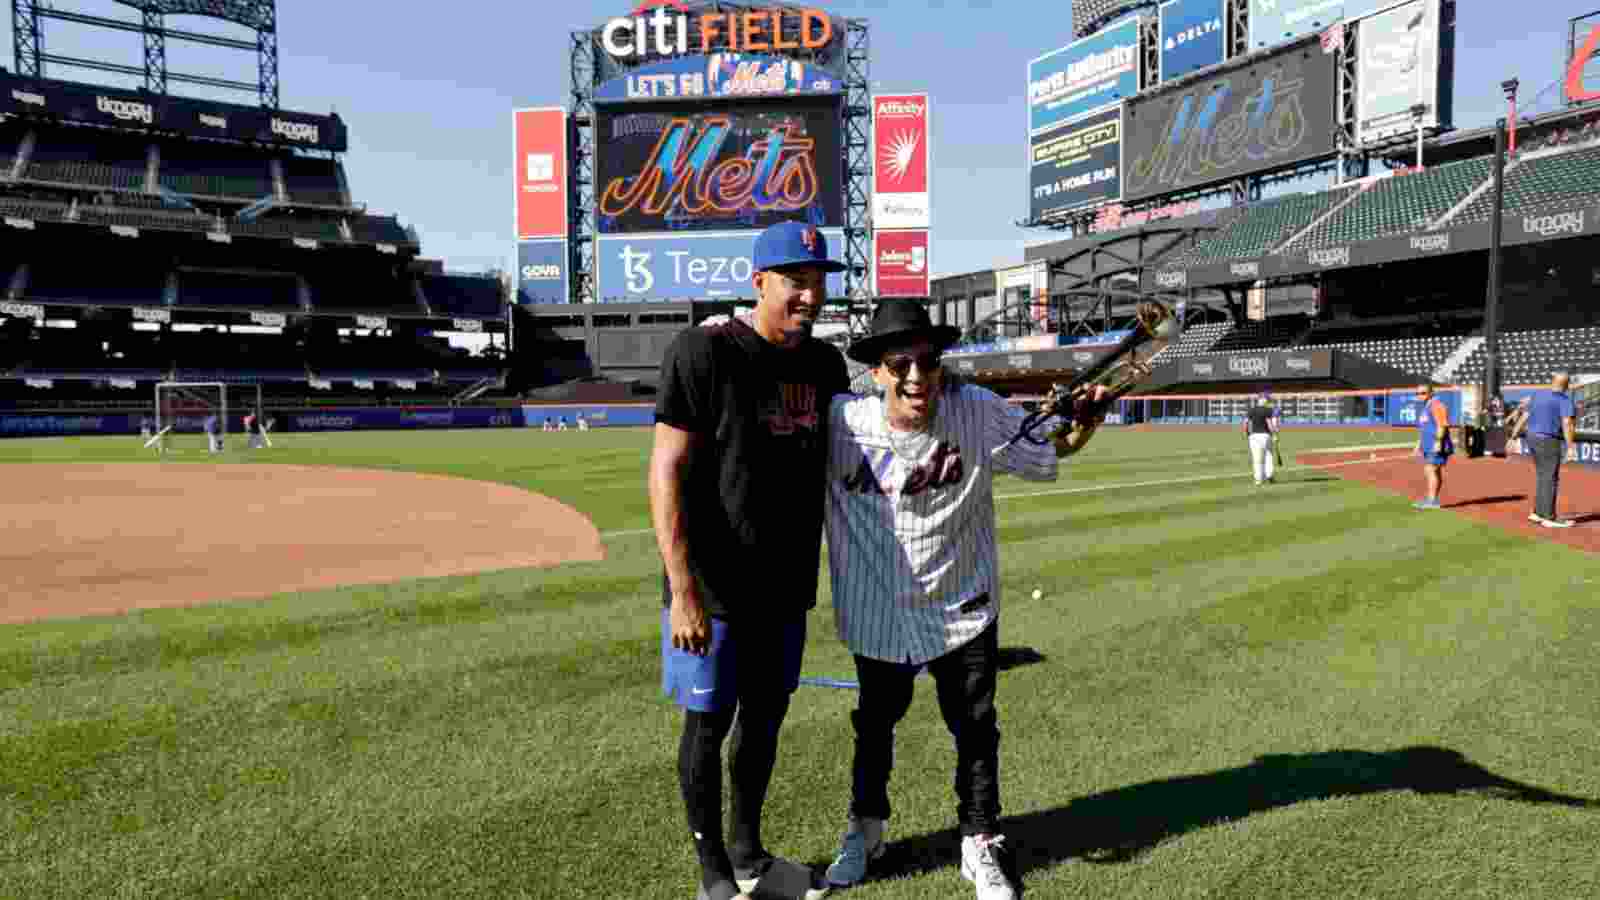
x=1433, y=443
x=1261, y=430
x=1550, y=427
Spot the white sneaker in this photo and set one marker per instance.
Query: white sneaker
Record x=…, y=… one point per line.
x=1535, y=518
x=862, y=844
x=980, y=864
x=1557, y=523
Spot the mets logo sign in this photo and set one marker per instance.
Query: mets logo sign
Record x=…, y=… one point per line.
x=808, y=237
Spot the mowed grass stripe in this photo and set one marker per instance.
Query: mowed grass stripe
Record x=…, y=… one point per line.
x=1321, y=650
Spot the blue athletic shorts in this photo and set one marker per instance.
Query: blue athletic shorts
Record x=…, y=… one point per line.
x=1435, y=459
x=744, y=661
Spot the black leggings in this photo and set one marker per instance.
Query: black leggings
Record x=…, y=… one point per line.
x=965, y=681
x=754, y=722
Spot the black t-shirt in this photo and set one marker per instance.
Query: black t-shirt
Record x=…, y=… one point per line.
x=757, y=478
x=1258, y=419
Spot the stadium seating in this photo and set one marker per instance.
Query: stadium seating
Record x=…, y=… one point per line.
x=91, y=157
x=226, y=289
x=363, y=291
x=122, y=278
x=215, y=170
x=311, y=180
x=1262, y=227
x=287, y=227
x=378, y=230
x=1533, y=357
x=1399, y=204
x=1273, y=333
x=1196, y=339
x=460, y=295
x=1564, y=176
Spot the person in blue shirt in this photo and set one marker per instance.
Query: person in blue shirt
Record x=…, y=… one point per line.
x=1549, y=429
x=1433, y=443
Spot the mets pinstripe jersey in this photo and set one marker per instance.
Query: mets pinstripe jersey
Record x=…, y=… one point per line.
x=911, y=527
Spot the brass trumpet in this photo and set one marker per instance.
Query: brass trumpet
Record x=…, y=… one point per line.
x=1119, y=372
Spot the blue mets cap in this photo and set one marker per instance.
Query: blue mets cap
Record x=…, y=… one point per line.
x=793, y=244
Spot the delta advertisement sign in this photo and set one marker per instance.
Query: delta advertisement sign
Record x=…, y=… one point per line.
x=666, y=28
x=651, y=268
x=900, y=263
x=900, y=139
x=1191, y=36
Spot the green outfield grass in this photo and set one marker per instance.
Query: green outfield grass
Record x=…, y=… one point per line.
x=1308, y=690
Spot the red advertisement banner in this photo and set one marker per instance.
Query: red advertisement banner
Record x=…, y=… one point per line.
x=900, y=261
x=541, y=172
x=900, y=161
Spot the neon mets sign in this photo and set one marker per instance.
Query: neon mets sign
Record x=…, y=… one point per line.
x=683, y=177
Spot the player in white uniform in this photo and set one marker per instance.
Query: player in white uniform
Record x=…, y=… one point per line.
x=915, y=569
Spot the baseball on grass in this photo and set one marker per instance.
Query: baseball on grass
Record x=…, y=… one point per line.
x=1037, y=593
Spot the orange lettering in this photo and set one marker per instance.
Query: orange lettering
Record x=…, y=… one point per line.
x=1576, y=92
x=710, y=27
x=752, y=28
x=807, y=39
x=778, y=43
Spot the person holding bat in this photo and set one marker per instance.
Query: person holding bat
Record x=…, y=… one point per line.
x=1261, y=430
x=915, y=569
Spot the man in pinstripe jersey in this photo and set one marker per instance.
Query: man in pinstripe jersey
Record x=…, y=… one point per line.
x=914, y=565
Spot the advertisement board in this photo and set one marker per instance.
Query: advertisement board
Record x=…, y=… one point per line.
x=1084, y=76
x=1580, y=82
x=393, y=418
x=542, y=271
x=1270, y=114
x=900, y=263
x=648, y=268
x=1398, y=68
x=1274, y=22
x=1191, y=36
x=719, y=75
x=540, y=172
x=699, y=167
x=669, y=28
x=1078, y=164
x=1259, y=366
x=900, y=153
x=114, y=108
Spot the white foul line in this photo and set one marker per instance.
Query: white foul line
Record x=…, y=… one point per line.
x=1058, y=492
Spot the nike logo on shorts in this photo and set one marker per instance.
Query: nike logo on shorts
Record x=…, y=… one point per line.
x=698, y=691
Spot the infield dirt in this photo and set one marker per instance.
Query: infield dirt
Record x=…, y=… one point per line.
x=104, y=539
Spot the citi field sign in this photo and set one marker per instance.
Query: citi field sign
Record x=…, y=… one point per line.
x=661, y=28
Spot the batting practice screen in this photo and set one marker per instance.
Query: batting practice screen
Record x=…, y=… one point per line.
x=672, y=167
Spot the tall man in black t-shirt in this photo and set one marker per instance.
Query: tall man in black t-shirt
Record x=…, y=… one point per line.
x=1261, y=430
x=737, y=477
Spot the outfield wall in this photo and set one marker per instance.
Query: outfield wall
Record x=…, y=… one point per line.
x=58, y=424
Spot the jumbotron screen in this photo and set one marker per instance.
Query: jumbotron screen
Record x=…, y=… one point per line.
x=704, y=167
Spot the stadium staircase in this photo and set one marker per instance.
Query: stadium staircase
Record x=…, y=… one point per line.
x=1446, y=372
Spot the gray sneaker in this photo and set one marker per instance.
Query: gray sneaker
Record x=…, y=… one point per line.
x=863, y=843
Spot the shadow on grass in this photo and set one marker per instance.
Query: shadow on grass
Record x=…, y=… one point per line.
x=1117, y=825
x=1487, y=501
x=1017, y=657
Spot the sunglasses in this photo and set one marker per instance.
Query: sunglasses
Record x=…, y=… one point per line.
x=899, y=364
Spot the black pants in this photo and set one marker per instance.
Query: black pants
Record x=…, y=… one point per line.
x=965, y=680
x=1547, y=455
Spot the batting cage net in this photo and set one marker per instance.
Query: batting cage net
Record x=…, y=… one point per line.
x=191, y=416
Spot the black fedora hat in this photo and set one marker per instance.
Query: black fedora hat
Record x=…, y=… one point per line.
x=897, y=321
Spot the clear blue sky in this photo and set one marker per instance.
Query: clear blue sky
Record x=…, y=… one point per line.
x=428, y=95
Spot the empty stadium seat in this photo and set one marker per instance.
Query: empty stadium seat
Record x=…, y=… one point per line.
x=1533, y=357
x=363, y=291
x=460, y=295
x=215, y=170
x=312, y=180
x=214, y=288
x=1563, y=177
x=1262, y=227
x=88, y=156
x=124, y=278
x=1399, y=204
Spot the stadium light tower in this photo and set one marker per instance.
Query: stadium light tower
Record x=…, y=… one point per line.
x=1510, y=87
x=1418, y=111
x=1490, y=386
